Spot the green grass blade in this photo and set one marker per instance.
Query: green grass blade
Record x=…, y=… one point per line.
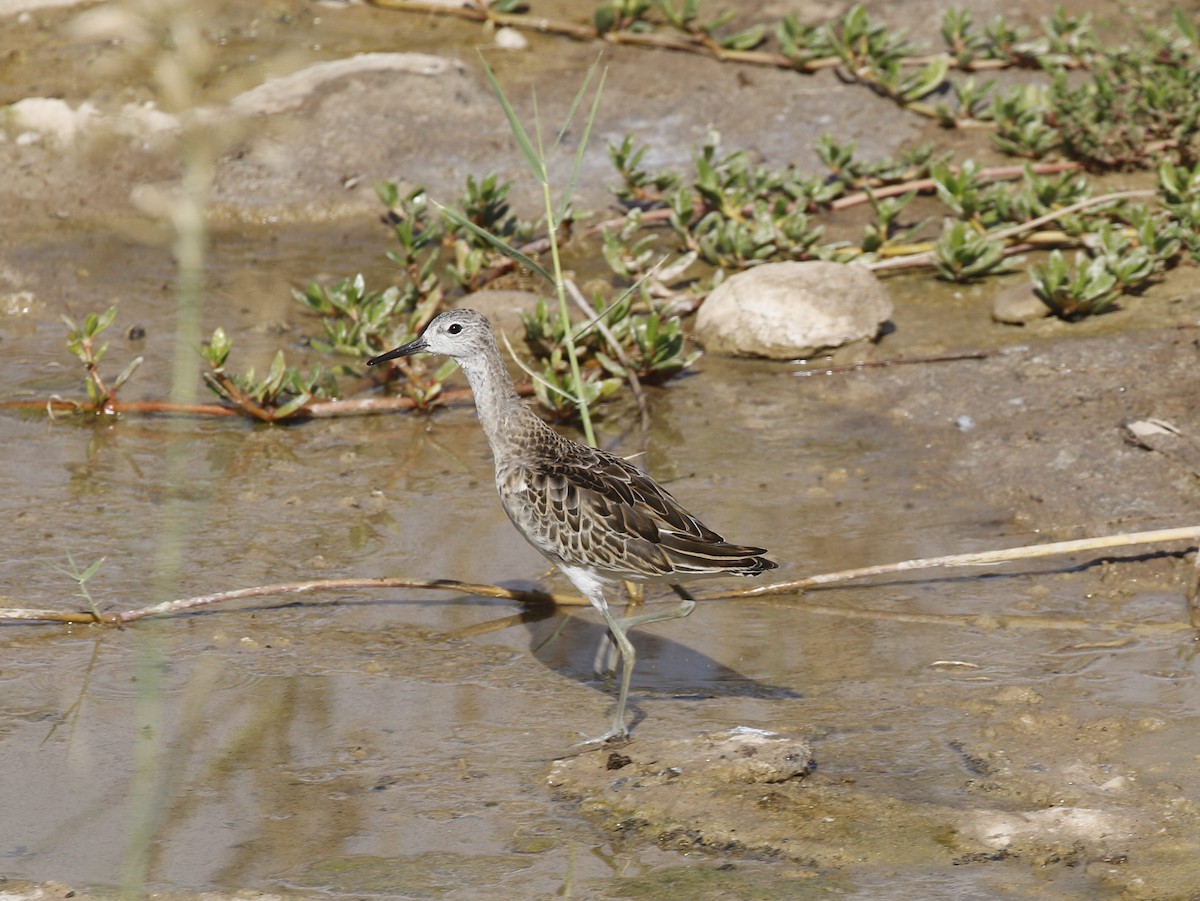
x=91, y=570
x=565, y=201
x=499, y=243
x=535, y=162
x=537, y=131
x=562, y=131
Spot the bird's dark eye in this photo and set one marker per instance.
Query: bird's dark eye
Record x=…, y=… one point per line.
x=454, y=329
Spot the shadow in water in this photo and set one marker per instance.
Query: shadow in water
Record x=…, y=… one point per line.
x=664, y=666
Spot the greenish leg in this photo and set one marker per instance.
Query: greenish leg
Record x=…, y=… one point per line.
x=619, y=730
x=606, y=654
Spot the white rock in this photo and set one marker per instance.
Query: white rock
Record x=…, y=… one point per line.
x=49, y=117
x=37, y=118
x=511, y=39
x=788, y=311
x=284, y=92
x=999, y=830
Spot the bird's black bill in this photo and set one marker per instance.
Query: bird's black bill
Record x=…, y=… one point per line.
x=412, y=347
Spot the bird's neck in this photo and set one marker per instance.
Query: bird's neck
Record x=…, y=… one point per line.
x=499, y=407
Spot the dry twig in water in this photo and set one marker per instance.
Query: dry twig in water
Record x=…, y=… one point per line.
x=797, y=586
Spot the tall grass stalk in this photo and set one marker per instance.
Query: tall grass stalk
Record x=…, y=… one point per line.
x=149, y=796
x=537, y=158
x=166, y=37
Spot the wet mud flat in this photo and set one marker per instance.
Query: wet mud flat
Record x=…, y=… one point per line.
x=397, y=746
x=1083, y=790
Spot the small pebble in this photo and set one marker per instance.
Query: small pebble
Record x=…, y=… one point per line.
x=511, y=39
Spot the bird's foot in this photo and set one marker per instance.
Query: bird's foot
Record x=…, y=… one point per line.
x=617, y=737
x=609, y=741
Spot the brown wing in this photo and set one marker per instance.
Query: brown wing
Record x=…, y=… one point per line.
x=590, y=508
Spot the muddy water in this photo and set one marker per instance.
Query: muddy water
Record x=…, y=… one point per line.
x=384, y=743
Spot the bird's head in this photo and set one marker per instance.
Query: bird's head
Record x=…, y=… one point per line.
x=456, y=333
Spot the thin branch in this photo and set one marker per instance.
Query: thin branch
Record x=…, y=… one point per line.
x=695, y=41
x=166, y=608
x=110, y=408
x=926, y=257
x=1054, y=215
x=662, y=215
x=540, y=598
x=981, y=558
x=321, y=409
x=474, y=588
x=683, y=43
x=928, y=185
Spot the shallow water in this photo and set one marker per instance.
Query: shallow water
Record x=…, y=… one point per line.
x=353, y=743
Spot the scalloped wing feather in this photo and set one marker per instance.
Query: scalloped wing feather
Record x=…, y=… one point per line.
x=587, y=508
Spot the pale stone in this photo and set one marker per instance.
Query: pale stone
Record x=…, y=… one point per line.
x=787, y=311
x=511, y=39
x=1018, y=304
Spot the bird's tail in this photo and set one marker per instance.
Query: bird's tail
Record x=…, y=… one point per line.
x=688, y=555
